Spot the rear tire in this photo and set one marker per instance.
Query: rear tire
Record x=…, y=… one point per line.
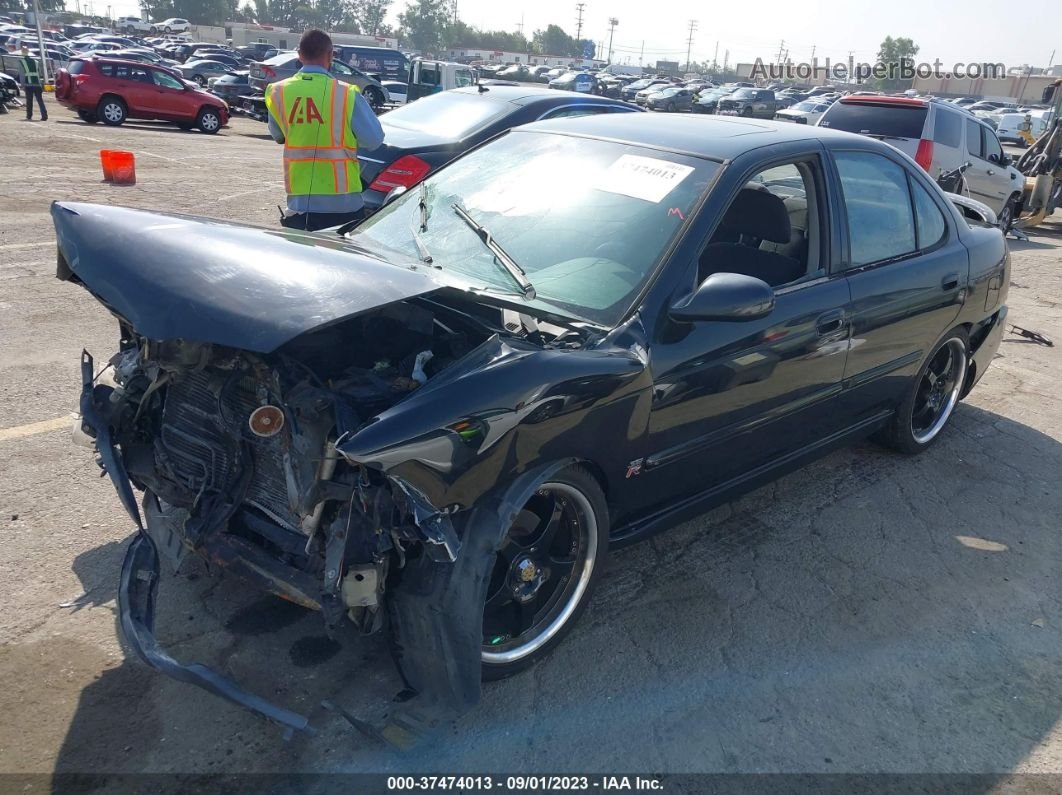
x=111, y=111
x=199, y=79
x=671, y=107
x=931, y=397
x=544, y=573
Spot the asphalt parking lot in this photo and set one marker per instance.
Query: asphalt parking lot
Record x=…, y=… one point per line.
x=871, y=613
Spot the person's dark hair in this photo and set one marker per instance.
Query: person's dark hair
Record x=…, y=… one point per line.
x=315, y=44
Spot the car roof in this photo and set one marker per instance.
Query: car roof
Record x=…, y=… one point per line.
x=527, y=95
x=710, y=137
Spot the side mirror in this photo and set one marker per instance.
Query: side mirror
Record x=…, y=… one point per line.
x=726, y=296
x=394, y=193
x=1005, y=160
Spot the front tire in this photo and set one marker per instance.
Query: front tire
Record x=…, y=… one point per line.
x=544, y=572
x=208, y=121
x=375, y=98
x=1006, y=215
x=931, y=398
x=200, y=80
x=111, y=111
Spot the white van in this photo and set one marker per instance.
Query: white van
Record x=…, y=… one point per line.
x=1008, y=129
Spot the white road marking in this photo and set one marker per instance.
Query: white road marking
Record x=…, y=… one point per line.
x=246, y=193
x=14, y=246
x=33, y=428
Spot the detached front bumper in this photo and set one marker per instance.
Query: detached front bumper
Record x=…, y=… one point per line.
x=137, y=592
x=138, y=588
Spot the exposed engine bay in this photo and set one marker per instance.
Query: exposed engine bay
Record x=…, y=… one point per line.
x=238, y=449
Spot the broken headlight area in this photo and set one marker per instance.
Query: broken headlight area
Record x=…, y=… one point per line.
x=235, y=453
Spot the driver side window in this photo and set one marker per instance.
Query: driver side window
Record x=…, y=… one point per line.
x=164, y=80
x=993, y=151
x=771, y=229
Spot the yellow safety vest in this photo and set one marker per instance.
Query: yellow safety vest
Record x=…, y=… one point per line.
x=320, y=151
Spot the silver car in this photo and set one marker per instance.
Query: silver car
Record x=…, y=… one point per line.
x=941, y=138
x=201, y=71
x=286, y=64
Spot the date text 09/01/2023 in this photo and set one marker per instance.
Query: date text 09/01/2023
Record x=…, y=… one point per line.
x=538, y=783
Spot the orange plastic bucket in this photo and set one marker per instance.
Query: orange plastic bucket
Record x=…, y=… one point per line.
x=123, y=168
x=105, y=163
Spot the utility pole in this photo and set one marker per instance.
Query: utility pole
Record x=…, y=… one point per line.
x=1050, y=60
x=781, y=48
x=612, y=22
x=726, y=60
x=579, y=21
x=40, y=44
x=715, y=58
x=641, y=55
x=689, y=42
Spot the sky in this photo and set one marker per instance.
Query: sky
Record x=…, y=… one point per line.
x=951, y=30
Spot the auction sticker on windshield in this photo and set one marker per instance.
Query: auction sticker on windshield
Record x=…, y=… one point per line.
x=644, y=178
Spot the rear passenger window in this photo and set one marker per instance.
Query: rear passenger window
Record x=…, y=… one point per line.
x=973, y=139
x=928, y=217
x=106, y=69
x=880, y=219
x=947, y=128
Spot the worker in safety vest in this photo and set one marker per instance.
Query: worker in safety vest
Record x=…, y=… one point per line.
x=322, y=123
x=30, y=73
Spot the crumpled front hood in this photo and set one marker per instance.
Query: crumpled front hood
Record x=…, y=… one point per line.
x=201, y=280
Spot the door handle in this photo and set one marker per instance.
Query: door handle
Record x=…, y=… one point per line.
x=949, y=282
x=830, y=322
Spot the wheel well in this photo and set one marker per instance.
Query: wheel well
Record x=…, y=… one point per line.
x=597, y=472
x=110, y=96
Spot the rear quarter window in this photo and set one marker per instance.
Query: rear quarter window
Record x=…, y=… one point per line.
x=75, y=67
x=891, y=121
x=947, y=128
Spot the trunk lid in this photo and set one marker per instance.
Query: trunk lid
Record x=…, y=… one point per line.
x=202, y=280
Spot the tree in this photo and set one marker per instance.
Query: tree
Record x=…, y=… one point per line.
x=554, y=41
x=370, y=14
x=424, y=24
x=893, y=53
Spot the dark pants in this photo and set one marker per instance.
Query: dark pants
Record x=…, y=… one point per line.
x=38, y=92
x=311, y=222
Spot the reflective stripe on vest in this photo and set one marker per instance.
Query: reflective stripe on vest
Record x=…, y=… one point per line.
x=320, y=151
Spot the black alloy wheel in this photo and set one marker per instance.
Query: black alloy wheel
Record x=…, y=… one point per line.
x=543, y=572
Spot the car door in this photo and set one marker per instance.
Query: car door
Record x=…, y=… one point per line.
x=173, y=100
x=907, y=272
x=734, y=398
x=134, y=86
x=986, y=177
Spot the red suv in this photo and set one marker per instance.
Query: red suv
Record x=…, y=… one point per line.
x=112, y=90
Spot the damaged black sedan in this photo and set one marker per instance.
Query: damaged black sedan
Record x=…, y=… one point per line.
x=437, y=423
